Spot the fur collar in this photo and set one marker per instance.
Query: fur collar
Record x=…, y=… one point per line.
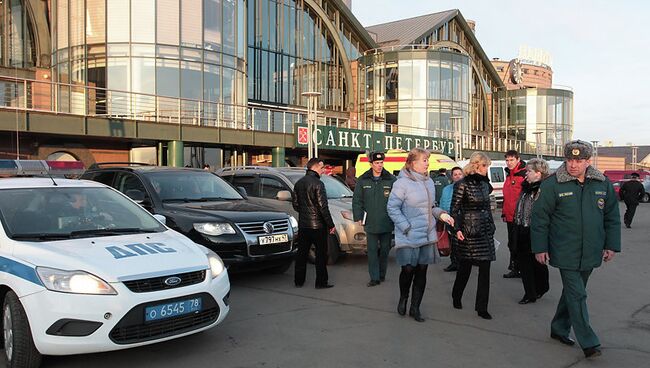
x=563, y=175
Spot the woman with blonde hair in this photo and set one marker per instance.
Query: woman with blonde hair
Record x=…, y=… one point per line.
x=534, y=275
x=474, y=228
x=411, y=206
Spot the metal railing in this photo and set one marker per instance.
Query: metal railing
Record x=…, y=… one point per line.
x=23, y=94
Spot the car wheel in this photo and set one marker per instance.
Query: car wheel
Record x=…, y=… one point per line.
x=646, y=198
x=333, y=251
x=282, y=268
x=19, y=349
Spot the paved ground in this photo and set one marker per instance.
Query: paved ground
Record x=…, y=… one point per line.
x=273, y=324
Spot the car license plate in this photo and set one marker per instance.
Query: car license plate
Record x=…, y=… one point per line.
x=164, y=311
x=273, y=239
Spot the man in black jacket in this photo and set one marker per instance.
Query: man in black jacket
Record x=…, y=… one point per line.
x=631, y=192
x=315, y=223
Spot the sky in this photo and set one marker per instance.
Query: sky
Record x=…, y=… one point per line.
x=601, y=49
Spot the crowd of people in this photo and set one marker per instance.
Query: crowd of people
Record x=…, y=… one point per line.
x=542, y=212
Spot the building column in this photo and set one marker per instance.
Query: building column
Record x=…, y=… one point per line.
x=175, y=154
x=277, y=155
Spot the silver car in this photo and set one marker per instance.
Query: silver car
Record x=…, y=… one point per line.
x=275, y=186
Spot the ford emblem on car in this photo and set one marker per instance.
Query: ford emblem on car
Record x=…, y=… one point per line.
x=172, y=281
x=268, y=227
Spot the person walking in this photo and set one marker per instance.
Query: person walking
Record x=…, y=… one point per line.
x=515, y=176
x=445, y=204
x=369, y=208
x=631, y=193
x=411, y=206
x=440, y=181
x=474, y=230
x=315, y=223
x=577, y=197
x=534, y=275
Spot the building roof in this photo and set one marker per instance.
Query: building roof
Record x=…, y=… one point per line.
x=406, y=31
x=624, y=151
x=411, y=30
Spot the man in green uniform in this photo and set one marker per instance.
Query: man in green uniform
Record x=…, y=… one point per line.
x=575, y=226
x=369, y=209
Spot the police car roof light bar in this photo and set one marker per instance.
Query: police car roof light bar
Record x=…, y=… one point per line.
x=40, y=167
x=66, y=167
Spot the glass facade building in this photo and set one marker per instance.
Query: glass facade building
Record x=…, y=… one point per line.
x=144, y=57
x=17, y=49
x=523, y=112
x=416, y=91
x=297, y=46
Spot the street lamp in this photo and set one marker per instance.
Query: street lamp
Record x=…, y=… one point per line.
x=538, y=143
x=458, y=129
x=595, y=143
x=312, y=113
x=635, y=151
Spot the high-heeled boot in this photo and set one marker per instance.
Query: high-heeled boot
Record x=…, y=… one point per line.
x=405, y=278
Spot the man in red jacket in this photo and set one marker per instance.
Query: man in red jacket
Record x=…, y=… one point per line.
x=516, y=174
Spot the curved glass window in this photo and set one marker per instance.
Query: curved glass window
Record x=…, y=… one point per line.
x=417, y=92
x=149, y=53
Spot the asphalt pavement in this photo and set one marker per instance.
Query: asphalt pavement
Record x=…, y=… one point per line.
x=274, y=324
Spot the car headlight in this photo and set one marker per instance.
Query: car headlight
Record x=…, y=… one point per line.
x=214, y=228
x=294, y=223
x=347, y=215
x=216, y=264
x=73, y=282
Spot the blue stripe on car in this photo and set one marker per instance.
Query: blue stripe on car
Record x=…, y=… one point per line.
x=20, y=270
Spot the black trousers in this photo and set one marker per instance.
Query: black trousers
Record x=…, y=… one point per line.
x=534, y=275
x=629, y=213
x=307, y=237
x=483, y=288
x=512, y=246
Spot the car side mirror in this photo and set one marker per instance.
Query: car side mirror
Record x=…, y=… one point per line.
x=136, y=195
x=283, y=195
x=242, y=191
x=162, y=219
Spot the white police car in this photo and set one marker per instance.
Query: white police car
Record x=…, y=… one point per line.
x=85, y=269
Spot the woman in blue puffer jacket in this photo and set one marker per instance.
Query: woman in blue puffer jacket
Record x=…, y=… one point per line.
x=411, y=206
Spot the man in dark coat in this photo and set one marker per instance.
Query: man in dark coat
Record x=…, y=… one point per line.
x=369, y=209
x=515, y=176
x=577, y=197
x=315, y=223
x=631, y=193
x=440, y=181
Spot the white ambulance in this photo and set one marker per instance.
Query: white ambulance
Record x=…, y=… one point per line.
x=85, y=269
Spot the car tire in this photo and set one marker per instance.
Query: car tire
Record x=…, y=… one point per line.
x=646, y=198
x=282, y=268
x=17, y=341
x=333, y=251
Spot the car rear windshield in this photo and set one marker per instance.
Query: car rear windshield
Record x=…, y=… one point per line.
x=190, y=186
x=334, y=188
x=41, y=214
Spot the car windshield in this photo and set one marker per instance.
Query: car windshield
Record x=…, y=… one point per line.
x=191, y=186
x=41, y=214
x=335, y=189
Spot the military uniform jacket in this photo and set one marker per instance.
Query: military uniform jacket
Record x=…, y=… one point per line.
x=574, y=223
x=372, y=197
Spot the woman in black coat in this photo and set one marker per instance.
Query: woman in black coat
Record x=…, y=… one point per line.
x=474, y=227
x=534, y=275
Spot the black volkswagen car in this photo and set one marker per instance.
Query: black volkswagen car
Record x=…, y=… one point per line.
x=247, y=234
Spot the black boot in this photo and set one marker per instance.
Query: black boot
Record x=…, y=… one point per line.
x=419, y=283
x=405, y=278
